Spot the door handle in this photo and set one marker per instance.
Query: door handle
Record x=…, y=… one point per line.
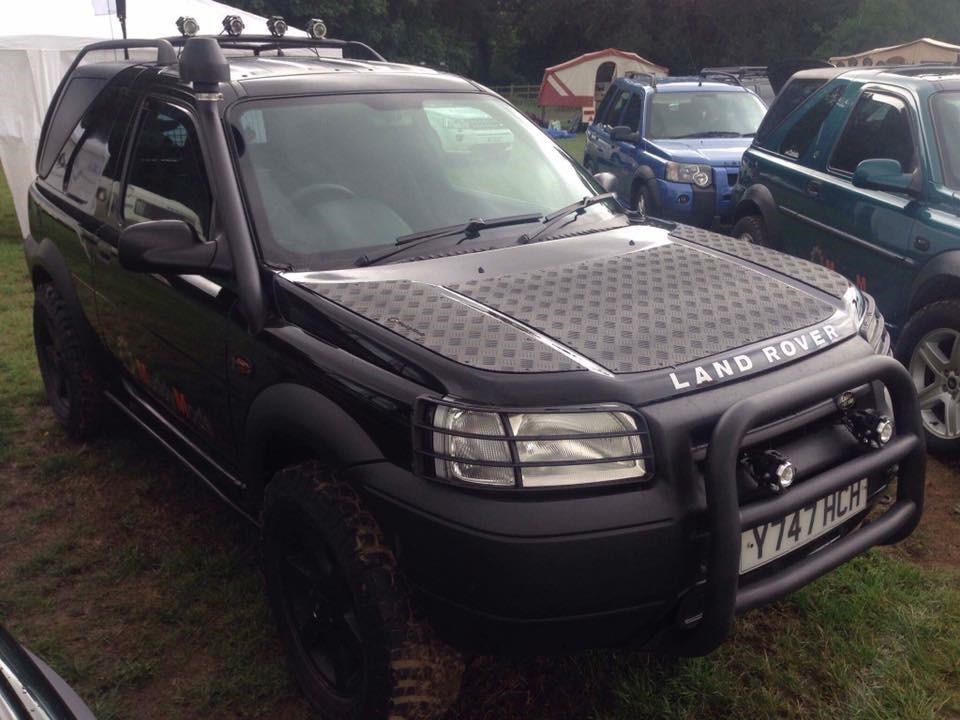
x=813, y=188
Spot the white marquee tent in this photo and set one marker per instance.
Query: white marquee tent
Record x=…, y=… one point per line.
x=40, y=38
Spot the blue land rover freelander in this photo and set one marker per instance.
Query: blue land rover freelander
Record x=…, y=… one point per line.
x=674, y=144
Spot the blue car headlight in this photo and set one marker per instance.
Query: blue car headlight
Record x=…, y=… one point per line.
x=699, y=175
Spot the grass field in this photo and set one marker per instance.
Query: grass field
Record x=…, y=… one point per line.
x=144, y=593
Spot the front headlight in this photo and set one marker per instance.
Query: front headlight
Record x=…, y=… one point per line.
x=699, y=175
x=536, y=449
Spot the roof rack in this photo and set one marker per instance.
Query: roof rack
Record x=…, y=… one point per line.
x=166, y=55
x=720, y=76
x=741, y=71
x=267, y=43
x=913, y=70
x=637, y=75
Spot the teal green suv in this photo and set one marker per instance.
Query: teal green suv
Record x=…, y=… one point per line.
x=859, y=170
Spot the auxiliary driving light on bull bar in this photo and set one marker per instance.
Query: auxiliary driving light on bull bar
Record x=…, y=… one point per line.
x=276, y=25
x=869, y=426
x=769, y=470
x=846, y=400
x=187, y=26
x=233, y=25
x=316, y=28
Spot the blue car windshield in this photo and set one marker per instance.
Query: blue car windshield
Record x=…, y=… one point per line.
x=674, y=115
x=329, y=176
x=946, y=119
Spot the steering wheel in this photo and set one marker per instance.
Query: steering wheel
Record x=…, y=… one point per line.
x=321, y=192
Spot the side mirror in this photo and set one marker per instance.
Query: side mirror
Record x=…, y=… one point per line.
x=622, y=133
x=607, y=180
x=884, y=174
x=171, y=247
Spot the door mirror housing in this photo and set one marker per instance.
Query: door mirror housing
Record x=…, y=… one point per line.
x=171, y=247
x=622, y=133
x=884, y=174
x=608, y=181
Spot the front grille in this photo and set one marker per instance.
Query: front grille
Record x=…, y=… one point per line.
x=732, y=178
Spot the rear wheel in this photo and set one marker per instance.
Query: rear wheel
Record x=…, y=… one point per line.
x=344, y=616
x=929, y=347
x=752, y=229
x=70, y=377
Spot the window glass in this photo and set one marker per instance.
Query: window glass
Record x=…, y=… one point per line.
x=807, y=127
x=946, y=121
x=605, y=103
x=167, y=179
x=382, y=165
x=616, y=107
x=704, y=114
x=634, y=113
x=879, y=127
x=792, y=96
x=88, y=151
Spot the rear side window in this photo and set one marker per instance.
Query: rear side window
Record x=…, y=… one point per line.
x=879, y=127
x=88, y=151
x=806, y=129
x=63, y=117
x=167, y=180
x=634, y=112
x=789, y=100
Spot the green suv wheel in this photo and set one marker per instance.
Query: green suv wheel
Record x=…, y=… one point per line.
x=930, y=348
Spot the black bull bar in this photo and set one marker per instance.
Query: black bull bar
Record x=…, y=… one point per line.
x=723, y=595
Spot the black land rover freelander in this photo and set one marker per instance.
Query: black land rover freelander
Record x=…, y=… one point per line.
x=468, y=399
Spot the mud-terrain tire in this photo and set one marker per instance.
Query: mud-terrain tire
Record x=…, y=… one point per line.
x=642, y=199
x=344, y=615
x=71, y=378
x=752, y=229
x=929, y=347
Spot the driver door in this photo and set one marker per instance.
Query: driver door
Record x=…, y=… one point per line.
x=168, y=331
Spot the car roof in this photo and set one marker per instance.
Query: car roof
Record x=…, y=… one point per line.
x=910, y=76
x=680, y=84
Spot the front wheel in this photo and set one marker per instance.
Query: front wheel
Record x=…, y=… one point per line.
x=70, y=377
x=929, y=347
x=344, y=616
x=752, y=229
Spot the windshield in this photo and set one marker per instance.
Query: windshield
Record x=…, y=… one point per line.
x=946, y=120
x=329, y=176
x=704, y=114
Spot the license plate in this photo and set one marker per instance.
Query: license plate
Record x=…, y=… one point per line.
x=766, y=543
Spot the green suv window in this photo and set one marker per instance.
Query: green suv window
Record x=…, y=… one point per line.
x=879, y=127
x=946, y=121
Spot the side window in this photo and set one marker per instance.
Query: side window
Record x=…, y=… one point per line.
x=807, y=128
x=789, y=99
x=879, y=127
x=166, y=179
x=612, y=91
x=616, y=107
x=634, y=112
x=93, y=150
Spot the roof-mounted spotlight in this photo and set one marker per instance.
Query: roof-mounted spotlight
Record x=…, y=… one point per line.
x=316, y=28
x=276, y=25
x=233, y=25
x=187, y=26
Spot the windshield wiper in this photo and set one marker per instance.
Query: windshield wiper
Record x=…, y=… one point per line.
x=553, y=219
x=467, y=230
x=707, y=134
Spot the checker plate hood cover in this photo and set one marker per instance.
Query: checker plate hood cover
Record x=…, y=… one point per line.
x=628, y=300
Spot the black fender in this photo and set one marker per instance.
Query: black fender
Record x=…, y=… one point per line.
x=45, y=263
x=758, y=200
x=644, y=175
x=296, y=416
x=938, y=279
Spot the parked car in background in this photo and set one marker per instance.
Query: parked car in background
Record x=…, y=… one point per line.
x=29, y=689
x=859, y=170
x=752, y=77
x=674, y=144
x=468, y=130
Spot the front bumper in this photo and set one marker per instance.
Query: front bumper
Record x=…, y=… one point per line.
x=654, y=565
x=710, y=207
